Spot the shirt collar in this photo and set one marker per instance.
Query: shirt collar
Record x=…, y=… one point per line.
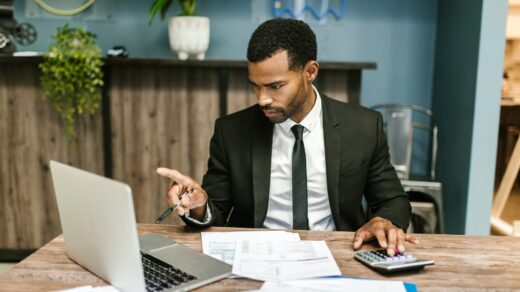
x=310, y=120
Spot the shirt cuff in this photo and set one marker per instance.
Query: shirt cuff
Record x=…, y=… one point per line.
x=207, y=217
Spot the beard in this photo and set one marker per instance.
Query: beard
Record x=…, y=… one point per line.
x=279, y=114
x=276, y=114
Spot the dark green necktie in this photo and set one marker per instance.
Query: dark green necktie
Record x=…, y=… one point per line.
x=299, y=181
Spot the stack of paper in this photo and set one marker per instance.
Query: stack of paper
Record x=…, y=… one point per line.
x=221, y=245
x=270, y=255
x=283, y=260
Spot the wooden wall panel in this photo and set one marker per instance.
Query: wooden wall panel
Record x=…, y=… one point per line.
x=160, y=116
x=334, y=84
x=31, y=134
x=240, y=94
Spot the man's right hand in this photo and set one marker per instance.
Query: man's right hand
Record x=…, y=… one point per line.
x=196, y=199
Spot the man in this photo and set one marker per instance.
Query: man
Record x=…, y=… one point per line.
x=298, y=159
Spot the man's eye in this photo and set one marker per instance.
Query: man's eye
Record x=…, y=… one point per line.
x=276, y=86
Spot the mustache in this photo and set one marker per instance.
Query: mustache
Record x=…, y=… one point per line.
x=271, y=108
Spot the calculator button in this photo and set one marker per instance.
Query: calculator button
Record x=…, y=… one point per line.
x=380, y=261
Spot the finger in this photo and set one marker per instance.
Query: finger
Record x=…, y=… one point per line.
x=411, y=239
x=181, y=210
x=360, y=237
x=381, y=238
x=400, y=240
x=175, y=175
x=185, y=202
x=172, y=197
x=392, y=240
x=183, y=205
x=197, y=198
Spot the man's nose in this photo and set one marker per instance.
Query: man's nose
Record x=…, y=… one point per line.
x=264, y=99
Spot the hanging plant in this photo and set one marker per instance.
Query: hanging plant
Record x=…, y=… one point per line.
x=71, y=75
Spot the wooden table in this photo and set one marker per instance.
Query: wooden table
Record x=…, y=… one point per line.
x=462, y=262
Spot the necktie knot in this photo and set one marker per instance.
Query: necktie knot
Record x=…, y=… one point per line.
x=298, y=131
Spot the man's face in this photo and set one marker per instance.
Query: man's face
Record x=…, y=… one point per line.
x=281, y=93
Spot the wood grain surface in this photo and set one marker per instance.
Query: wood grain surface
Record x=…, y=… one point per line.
x=160, y=116
x=31, y=134
x=334, y=84
x=461, y=262
x=240, y=92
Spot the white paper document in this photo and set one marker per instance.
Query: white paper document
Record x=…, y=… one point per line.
x=89, y=288
x=221, y=245
x=283, y=260
x=335, y=285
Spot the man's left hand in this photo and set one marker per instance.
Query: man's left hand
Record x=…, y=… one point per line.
x=387, y=234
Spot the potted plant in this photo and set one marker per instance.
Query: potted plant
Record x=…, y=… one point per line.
x=71, y=75
x=188, y=33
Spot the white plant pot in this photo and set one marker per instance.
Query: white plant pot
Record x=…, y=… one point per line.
x=189, y=36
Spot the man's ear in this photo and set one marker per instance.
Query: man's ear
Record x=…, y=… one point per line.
x=311, y=70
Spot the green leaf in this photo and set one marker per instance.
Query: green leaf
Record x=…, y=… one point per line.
x=165, y=7
x=188, y=7
x=156, y=7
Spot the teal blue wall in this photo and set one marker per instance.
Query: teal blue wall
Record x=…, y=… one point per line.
x=466, y=97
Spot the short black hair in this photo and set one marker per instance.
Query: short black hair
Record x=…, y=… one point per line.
x=275, y=35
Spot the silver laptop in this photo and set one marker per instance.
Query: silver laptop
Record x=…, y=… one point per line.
x=98, y=222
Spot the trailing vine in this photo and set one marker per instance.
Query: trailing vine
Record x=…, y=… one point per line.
x=71, y=75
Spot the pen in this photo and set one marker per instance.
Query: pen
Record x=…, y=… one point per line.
x=170, y=210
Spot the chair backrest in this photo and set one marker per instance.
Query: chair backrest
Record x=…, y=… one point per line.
x=401, y=121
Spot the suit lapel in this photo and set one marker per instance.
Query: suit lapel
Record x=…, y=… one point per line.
x=262, y=147
x=332, y=137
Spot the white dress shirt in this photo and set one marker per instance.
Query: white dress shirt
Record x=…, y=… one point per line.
x=279, y=210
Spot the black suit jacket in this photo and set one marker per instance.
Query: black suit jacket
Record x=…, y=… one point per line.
x=357, y=164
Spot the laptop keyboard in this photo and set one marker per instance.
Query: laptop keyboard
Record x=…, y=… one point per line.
x=159, y=275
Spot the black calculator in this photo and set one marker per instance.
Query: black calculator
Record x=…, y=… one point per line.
x=380, y=261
